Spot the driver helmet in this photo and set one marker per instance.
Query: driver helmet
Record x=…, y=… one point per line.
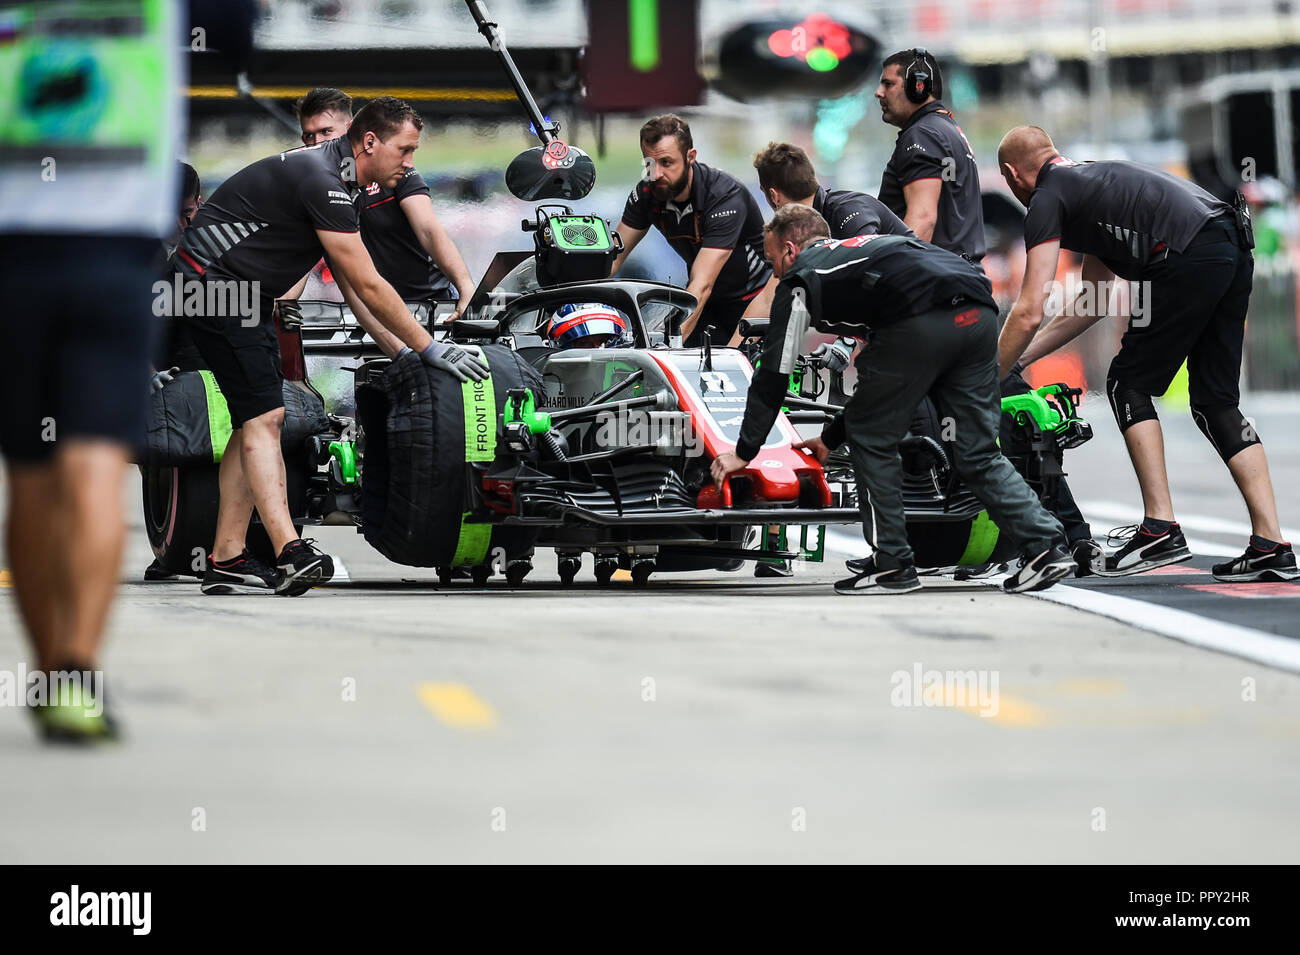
x=587, y=325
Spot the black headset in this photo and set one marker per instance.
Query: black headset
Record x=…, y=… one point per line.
x=919, y=80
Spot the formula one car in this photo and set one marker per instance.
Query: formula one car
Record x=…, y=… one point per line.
x=601, y=450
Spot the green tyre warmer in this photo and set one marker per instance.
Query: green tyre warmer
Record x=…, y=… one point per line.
x=426, y=437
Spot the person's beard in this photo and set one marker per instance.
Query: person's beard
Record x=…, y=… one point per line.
x=665, y=191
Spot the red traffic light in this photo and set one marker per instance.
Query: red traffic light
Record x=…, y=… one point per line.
x=816, y=56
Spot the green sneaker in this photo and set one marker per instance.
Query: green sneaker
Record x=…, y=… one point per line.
x=75, y=711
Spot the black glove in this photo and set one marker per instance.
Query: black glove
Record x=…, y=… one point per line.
x=161, y=378
x=289, y=312
x=455, y=360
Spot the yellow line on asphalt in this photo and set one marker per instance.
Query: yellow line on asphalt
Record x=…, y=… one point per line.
x=1091, y=687
x=5, y=579
x=457, y=705
x=622, y=575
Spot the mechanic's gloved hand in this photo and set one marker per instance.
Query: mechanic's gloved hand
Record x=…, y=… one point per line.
x=161, y=378
x=836, y=355
x=456, y=360
x=289, y=312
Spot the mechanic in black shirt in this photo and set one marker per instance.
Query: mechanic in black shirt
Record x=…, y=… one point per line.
x=1192, y=259
x=409, y=245
x=710, y=220
x=931, y=181
x=933, y=326
x=260, y=232
x=786, y=174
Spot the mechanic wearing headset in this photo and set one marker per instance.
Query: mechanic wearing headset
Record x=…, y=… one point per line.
x=931, y=181
x=933, y=327
x=1191, y=253
x=710, y=220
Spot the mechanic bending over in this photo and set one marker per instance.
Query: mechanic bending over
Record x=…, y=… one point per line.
x=1191, y=253
x=933, y=327
x=267, y=224
x=786, y=175
x=710, y=220
x=408, y=244
x=931, y=181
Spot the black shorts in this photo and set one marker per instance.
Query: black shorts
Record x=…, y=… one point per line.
x=244, y=359
x=1195, y=311
x=76, y=335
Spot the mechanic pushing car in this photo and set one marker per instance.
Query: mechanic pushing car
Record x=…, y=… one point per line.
x=931, y=181
x=261, y=230
x=408, y=244
x=1190, y=252
x=933, y=325
x=710, y=220
x=784, y=173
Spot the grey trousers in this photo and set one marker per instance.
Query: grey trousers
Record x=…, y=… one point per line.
x=951, y=354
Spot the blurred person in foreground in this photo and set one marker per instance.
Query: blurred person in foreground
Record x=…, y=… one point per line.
x=1191, y=253
x=89, y=122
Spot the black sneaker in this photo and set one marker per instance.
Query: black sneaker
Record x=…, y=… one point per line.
x=303, y=567
x=1277, y=565
x=1040, y=571
x=868, y=578
x=243, y=575
x=1088, y=556
x=978, y=571
x=1143, y=551
x=766, y=568
x=157, y=571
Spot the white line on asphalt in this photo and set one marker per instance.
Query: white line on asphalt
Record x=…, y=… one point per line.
x=1115, y=511
x=1181, y=625
x=341, y=575
x=1267, y=648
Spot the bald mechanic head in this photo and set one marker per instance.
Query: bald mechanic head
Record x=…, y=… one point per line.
x=1021, y=155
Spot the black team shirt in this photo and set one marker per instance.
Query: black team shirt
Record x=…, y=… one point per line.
x=845, y=288
x=930, y=137
x=392, y=243
x=260, y=225
x=720, y=213
x=1122, y=212
x=851, y=213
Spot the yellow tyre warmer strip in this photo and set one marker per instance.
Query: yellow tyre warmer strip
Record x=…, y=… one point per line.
x=480, y=402
x=218, y=416
x=982, y=541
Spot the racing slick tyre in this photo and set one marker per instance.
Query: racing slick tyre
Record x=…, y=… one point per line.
x=180, y=515
x=427, y=437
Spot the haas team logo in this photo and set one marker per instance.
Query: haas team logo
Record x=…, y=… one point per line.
x=372, y=189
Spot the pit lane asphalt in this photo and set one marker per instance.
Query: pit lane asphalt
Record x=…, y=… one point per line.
x=709, y=717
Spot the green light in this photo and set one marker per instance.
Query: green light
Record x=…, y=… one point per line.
x=643, y=34
x=822, y=60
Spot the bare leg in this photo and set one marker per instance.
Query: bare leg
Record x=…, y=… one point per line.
x=1249, y=468
x=236, y=504
x=1146, y=448
x=264, y=470
x=90, y=480
x=35, y=531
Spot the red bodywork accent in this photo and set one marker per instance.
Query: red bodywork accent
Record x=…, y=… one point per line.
x=293, y=363
x=775, y=471
x=499, y=495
